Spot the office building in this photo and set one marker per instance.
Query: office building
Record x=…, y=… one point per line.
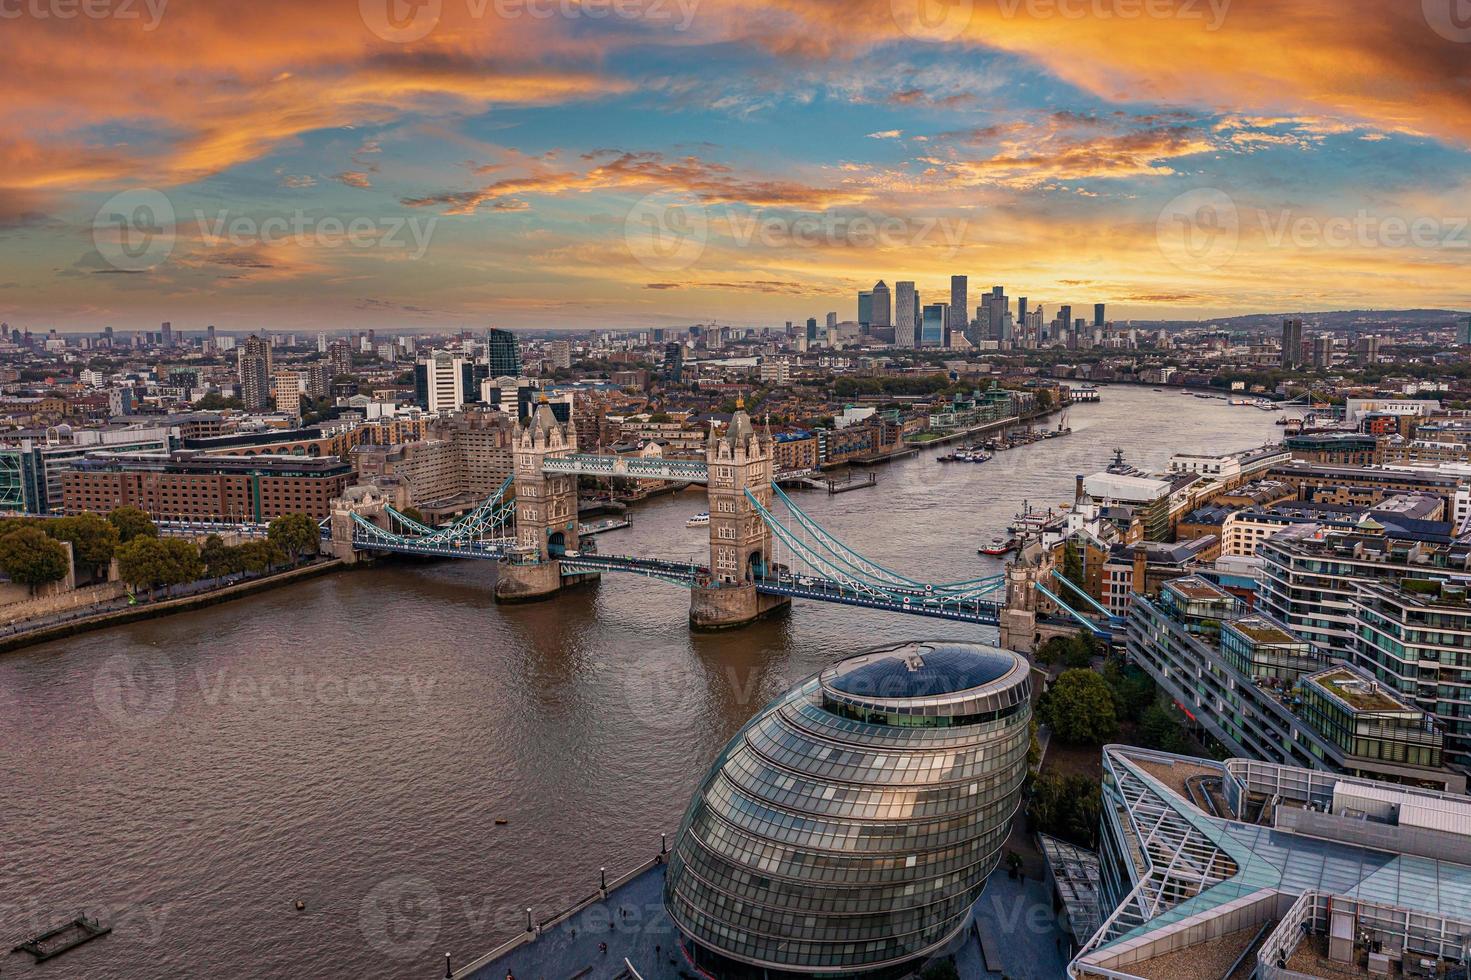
x=1311, y=574
x=503, y=354
x=812, y=330
x=253, y=361
x=849, y=829
x=958, y=313
x=197, y=486
x=1463, y=331
x=1280, y=871
x=832, y=321
x=673, y=369
x=166, y=334
x=439, y=382
x=934, y=326
x=1291, y=343
x=865, y=309
x=288, y=387
x=559, y=355
x=1098, y=310
x=1028, y=338
x=1415, y=637
x=32, y=464
x=882, y=310
x=906, y=324
x=1264, y=692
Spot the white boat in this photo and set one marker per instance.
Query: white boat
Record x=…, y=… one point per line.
x=699, y=520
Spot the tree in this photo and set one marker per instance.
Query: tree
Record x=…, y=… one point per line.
x=1159, y=728
x=1073, y=652
x=1133, y=690
x=294, y=534
x=93, y=538
x=31, y=558
x=1079, y=708
x=1066, y=807
x=413, y=514
x=131, y=523
x=260, y=556
x=1072, y=566
x=150, y=563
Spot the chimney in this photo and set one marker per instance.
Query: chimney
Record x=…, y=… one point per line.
x=1078, y=488
x=1141, y=567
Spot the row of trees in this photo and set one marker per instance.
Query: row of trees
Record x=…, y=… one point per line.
x=31, y=551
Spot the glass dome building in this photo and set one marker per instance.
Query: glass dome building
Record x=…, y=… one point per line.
x=848, y=829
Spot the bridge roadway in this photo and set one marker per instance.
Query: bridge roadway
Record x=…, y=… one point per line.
x=984, y=612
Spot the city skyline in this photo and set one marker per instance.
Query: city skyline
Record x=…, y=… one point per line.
x=323, y=169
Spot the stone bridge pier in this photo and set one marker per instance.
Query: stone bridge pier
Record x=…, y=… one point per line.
x=740, y=543
x=546, y=512
x=368, y=502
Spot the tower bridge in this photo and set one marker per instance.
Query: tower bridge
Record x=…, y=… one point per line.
x=764, y=550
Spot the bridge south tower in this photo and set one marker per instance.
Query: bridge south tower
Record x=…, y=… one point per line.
x=546, y=510
x=738, y=460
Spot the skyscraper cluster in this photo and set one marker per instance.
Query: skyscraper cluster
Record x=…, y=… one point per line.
x=908, y=322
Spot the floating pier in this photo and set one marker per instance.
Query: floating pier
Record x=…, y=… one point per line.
x=64, y=938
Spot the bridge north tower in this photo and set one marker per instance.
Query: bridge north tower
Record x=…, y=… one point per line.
x=546, y=509
x=738, y=460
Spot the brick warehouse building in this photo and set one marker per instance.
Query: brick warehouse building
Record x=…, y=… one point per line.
x=191, y=485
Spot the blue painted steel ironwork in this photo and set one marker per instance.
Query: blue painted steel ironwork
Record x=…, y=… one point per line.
x=831, y=571
x=638, y=467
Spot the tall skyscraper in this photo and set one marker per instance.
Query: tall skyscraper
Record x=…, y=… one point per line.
x=253, y=362
x=1021, y=312
x=210, y=344
x=832, y=320
x=812, y=330
x=1463, y=336
x=1065, y=318
x=906, y=326
x=674, y=361
x=935, y=324
x=1291, y=343
x=503, y=354
x=1000, y=306
x=959, y=304
x=321, y=340
x=1098, y=309
x=167, y=333
x=865, y=309
x=883, y=324
x=1322, y=351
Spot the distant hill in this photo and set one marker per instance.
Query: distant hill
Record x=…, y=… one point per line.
x=1347, y=320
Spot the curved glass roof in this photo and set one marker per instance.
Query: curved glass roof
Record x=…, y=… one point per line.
x=918, y=670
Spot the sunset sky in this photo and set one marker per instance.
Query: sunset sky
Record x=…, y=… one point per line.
x=448, y=164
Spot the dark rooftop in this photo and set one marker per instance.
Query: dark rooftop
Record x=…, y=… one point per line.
x=916, y=670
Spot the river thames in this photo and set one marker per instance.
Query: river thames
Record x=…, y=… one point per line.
x=351, y=742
